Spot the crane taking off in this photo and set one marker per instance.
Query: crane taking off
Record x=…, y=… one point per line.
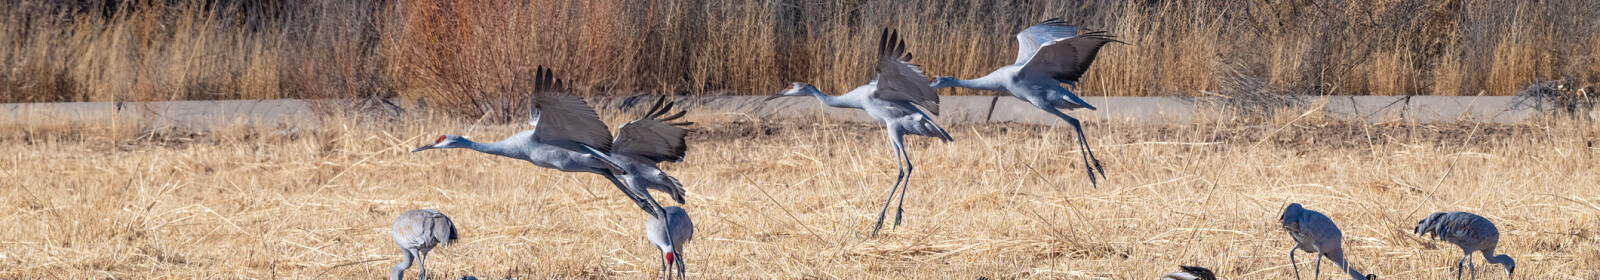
x=1049, y=54
x=891, y=98
x=1472, y=233
x=670, y=236
x=1315, y=233
x=416, y=232
x=570, y=137
x=1191, y=273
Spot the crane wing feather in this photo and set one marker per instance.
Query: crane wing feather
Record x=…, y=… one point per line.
x=1050, y=30
x=563, y=120
x=898, y=79
x=655, y=136
x=1067, y=59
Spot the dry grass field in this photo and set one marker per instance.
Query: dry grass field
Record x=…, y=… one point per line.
x=116, y=199
x=468, y=54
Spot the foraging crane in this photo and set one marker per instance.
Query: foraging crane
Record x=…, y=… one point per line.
x=1472, y=233
x=1191, y=273
x=570, y=137
x=416, y=232
x=891, y=98
x=1049, y=54
x=1315, y=233
x=681, y=231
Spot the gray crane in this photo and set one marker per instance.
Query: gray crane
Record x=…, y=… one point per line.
x=1315, y=233
x=643, y=143
x=670, y=237
x=417, y=232
x=1049, y=54
x=570, y=137
x=891, y=98
x=1191, y=273
x=1472, y=233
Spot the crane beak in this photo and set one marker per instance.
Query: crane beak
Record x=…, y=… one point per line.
x=774, y=96
x=425, y=147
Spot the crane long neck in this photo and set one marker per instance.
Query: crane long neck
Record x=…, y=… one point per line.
x=1338, y=258
x=400, y=268
x=830, y=100
x=1497, y=259
x=498, y=148
x=985, y=83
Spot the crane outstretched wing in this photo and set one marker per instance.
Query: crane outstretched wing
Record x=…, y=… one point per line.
x=1050, y=30
x=898, y=79
x=563, y=120
x=656, y=137
x=1066, y=60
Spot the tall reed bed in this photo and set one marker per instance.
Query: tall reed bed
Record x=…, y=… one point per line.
x=473, y=56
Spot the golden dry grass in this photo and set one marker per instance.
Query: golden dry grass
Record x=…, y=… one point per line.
x=111, y=199
x=472, y=55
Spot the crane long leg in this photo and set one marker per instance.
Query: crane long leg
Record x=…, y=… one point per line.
x=1317, y=273
x=645, y=202
x=665, y=274
x=680, y=266
x=1472, y=272
x=1294, y=263
x=1458, y=265
x=633, y=197
x=422, y=266
x=905, y=185
x=1089, y=161
x=894, y=140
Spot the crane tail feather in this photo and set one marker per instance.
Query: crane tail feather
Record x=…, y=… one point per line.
x=677, y=190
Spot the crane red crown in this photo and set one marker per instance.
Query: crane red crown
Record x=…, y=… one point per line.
x=441, y=139
x=669, y=257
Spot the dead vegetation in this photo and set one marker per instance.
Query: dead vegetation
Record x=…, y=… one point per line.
x=118, y=200
x=472, y=56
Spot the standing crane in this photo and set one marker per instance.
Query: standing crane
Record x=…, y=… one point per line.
x=670, y=237
x=1191, y=273
x=1315, y=233
x=416, y=232
x=570, y=137
x=1049, y=54
x=891, y=98
x=1472, y=233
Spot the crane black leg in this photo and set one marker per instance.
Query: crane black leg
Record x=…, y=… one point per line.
x=1090, y=163
x=899, y=152
x=1294, y=263
x=899, y=207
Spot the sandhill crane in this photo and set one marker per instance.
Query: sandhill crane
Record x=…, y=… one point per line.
x=643, y=143
x=681, y=231
x=1315, y=233
x=1191, y=273
x=1049, y=54
x=416, y=232
x=567, y=136
x=1472, y=233
x=891, y=98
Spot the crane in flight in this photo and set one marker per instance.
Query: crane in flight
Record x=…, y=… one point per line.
x=1191, y=273
x=417, y=232
x=1315, y=233
x=891, y=98
x=1472, y=233
x=670, y=235
x=1049, y=54
x=569, y=136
